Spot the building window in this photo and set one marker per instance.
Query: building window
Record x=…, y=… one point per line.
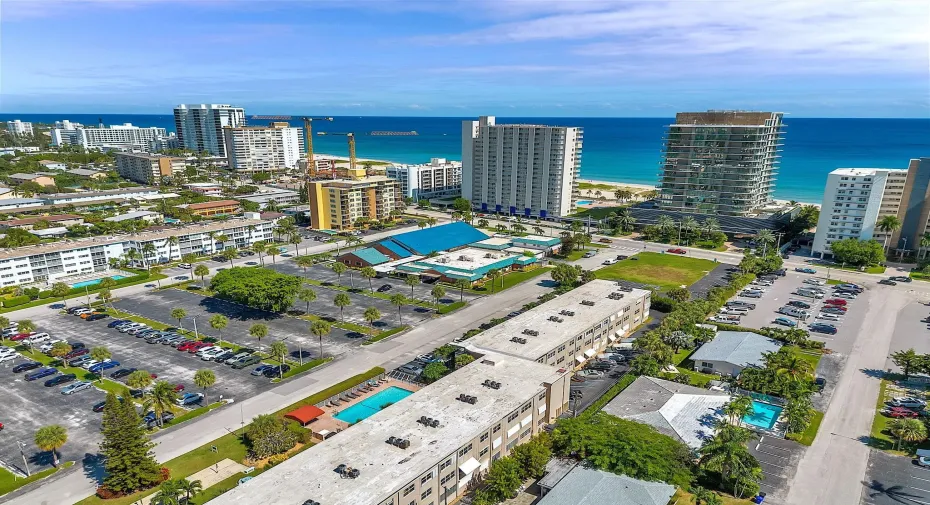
x=409, y=489
x=706, y=364
x=465, y=450
x=426, y=478
x=426, y=493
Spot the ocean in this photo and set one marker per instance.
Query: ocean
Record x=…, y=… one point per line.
x=615, y=149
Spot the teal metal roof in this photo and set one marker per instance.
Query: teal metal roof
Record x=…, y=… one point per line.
x=372, y=256
x=439, y=238
x=546, y=242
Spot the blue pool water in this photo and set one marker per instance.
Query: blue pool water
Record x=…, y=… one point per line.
x=583, y=202
x=94, y=282
x=369, y=406
x=763, y=415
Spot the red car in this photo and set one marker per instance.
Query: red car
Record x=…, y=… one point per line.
x=900, y=412
x=676, y=250
x=187, y=346
x=836, y=301
x=21, y=336
x=179, y=388
x=198, y=346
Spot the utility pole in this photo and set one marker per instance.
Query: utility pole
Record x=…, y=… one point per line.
x=22, y=452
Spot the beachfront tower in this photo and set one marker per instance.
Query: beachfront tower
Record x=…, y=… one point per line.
x=720, y=162
x=524, y=169
x=200, y=126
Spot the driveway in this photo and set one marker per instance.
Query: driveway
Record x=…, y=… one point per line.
x=778, y=458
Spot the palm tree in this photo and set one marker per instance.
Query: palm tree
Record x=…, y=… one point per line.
x=148, y=250
x=278, y=351
x=51, y=438
x=483, y=223
x=163, y=397
x=625, y=221
x=369, y=273
x=295, y=240
x=168, y=493
x=202, y=271
x=140, y=379
x=307, y=296
x=726, y=453
x=412, y=281
x=737, y=408
x=371, y=315
x=431, y=221
x=493, y=275
x=342, y=301
x=156, y=271
x=320, y=329
x=205, y=378
x=908, y=430
x=421, y=224
x=539, y=230
x=888, y=225
x=399, y=300
x=272, y=250
x=259, y=248
x=222, y=238
x=171, y=241
x=131, y=255
x=190, y=488
x=339, y=269
x=795, y=368
x=665, y=224
x=710, y=226
x=462, y=284
x=924, y=243
x=501, y=228
x=213, y=235
x=438, y=292
x=688, y=225
x=259, y=331
x=179, y=314
x=219, y=322
x=305, y=262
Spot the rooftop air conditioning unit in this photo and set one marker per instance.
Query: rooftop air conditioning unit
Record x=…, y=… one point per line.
x=556, y=319
x=588, y=303
x=567, y=312
x=311, y=502
x=532, y=333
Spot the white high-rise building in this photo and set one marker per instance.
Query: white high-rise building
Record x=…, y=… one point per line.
x=273, y=147
x=200, y=126
x=520, y=168
x=124, y=137
x=437, y=179
x=17, y=127
x=65, y=124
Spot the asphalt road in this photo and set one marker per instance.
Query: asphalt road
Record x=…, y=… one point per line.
x=895, y=480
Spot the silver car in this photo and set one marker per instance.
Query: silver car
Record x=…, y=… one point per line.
x=74, y=388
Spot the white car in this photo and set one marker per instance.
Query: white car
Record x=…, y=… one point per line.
x=8, y=357
x=751, y=294
x=908, y=402
x=815, y=282
x=763, y=282
x=828, y=317
x=609, y=262
x=38, y=338
x=184, y=265
x=74, y=388
x=46, y=347
x=848, y=296
x=216, y=351
x=87, y=364
x=78, y=312
x=207, y=350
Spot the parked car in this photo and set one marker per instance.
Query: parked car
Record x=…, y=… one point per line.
x=385, y=287
x=829, y=329
x=61, y=379
x=224, y=356
x=805, y=270
x=274, y=371
x=74, y=388
x=828, y=316
x=122, y=372
x=116, y=322
x=212, y=354
x=907, y=401
x=589, y=254
x=740, y=303
x=198, y=346
x=21, y=336
x=845, y=294
x=840, y=311
x=98, y=407
x=151, y=420
x=799, y=304
x=809, y=293
x=784, y=321
x=189, y=399
x=104, y=365
x=888, y=282
x=901, y=278
x=80, y=361
x=899, y=413
x=75, y=353
x=237, y=357
x=836, y=301
x=260, y=369
x=246, y=361
x=8, y=357
x=609, y=262
x=677, y=250
x=97, y=316
x=25, y=367
x=621, y=257
x=42, y=372
x=38, y=338
x=184, y=265
x=751, y=294
x=815, y=282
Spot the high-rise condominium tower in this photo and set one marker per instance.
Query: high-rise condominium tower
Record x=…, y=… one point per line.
x=200, y=127
x=520, y=168
x=720, y=162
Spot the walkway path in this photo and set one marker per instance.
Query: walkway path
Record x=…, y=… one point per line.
x=209, y=476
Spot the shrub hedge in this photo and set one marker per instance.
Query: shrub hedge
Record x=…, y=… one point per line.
x=16, y=301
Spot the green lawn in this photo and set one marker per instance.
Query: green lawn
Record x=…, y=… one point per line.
x=807, y=438
x=385, y=334
x=811, y=357
x=512, y=279
x=664, y=270
x=452, y=307
x=10, y=482
x=49, y=301
x=681, y=356
x=597, y=212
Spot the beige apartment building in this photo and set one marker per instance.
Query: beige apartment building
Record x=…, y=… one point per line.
x=426, y=448
x=572, y=328
x=147, y=168
x=337, y=204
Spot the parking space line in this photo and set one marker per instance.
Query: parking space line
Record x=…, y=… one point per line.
x=918, y=478
x=774, y=447
x=919, y=489
x=775, y=455
x=771, y=464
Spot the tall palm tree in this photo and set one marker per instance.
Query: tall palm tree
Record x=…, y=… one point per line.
x=710, y=226
x=908, y=430
x=342, y=301
x=148, y=250
x=665, y=224
x=320, y=329
x=737, y=408
x=688, y=226
x=190, y=488
x=163, y=397
x=794, y=368
x=462, y=284
x=272, y=250
x=171, y=242
x=493, y=275
x=889, y=225
x=925, y=243
x=168, y=493
x=399, y=300
x=727, y=454
x=51, y=438
x=213, y=235
x=307, y=296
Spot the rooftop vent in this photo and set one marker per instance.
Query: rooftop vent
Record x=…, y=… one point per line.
x=401, y=443
x=311, y=502
x=347, y=472
x=491, y=384
x=556, y=319
x=615, y=296
x=589, y=303
x=626, y=289
x=569, y=313
x=532, y=333
x=518, y=340
x=428, y=421
x=467, y=399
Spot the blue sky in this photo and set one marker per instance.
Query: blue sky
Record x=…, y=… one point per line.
x=619, y=58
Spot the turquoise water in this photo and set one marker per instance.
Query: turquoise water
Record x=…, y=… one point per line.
x=94, y=282
x=763, y=415
x=584, y=202
x=615, y=149
x=371, y=405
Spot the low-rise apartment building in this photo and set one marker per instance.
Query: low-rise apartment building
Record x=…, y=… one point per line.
x=214, y=208
x=40, y=179
x=53, y=261
x=448, y=432
x=856, y=199
x=437, y=179
x=124, y=137
x=98, y=196
x=572, y=328
x=337, y=204
x=147, y=168
x=280, y=197
x=28, y=223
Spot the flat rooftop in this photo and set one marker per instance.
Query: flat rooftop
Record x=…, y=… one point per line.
x=552, y=333
x=859, y=172
x=67, y=245
x=385, y=468
x=466, y=259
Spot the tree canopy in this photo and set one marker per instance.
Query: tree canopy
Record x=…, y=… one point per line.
x=857, y=252
x=260, y=288
x=130, y=464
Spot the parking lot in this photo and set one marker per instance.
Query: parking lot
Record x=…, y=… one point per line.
x=895, y=480
x=779, y=459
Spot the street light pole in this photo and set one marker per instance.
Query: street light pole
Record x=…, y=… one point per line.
x=22, y=451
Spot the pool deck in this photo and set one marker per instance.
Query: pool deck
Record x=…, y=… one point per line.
x=328, y=422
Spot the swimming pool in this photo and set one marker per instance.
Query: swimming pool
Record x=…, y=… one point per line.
x=94, y=282
x=763, y=415
x=584, y=202
x=369, y=406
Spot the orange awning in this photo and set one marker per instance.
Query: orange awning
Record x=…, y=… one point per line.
x=305, y=414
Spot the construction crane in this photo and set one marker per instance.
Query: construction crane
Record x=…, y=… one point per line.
x=308, y=135
x=351, y=137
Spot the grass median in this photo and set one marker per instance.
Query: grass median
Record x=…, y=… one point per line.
x=511, y=279
x=10, y=482
x=385, y=334
x=807, y=438
x=664, y=270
